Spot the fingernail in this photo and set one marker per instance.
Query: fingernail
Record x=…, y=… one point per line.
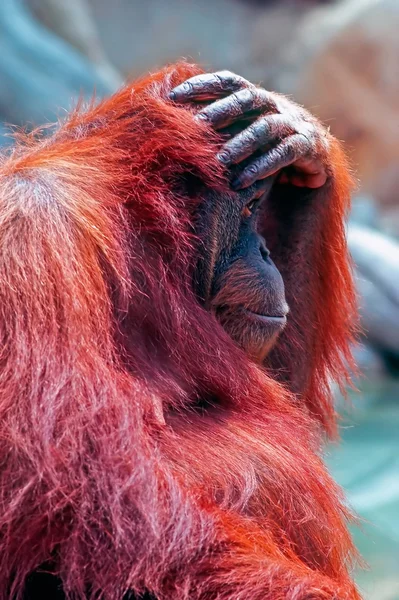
x=201, y=117
x=224, y=157
x=236, y=184
x=172, y=95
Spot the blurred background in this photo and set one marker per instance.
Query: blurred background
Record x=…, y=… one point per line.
x=338, y=58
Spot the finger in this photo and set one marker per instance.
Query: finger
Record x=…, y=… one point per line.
x=303, y=178
x=208, y=86
x=257, y=190
x=264, y=131
x=290, y=150
x=226, y=111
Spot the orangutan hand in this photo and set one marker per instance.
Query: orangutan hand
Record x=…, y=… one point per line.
x=280, y=133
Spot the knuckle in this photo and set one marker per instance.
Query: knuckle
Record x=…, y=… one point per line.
x=229, y=79
x=235, y=102
x=187, y=87
x=265, y=123
x=253, y=131
x=286, y=153
x=293, y=150
x=245, y=98
x=225, y=78
x=285, y=106
x=235, y=152
x=252, y=170
x=264, y=98
x=304, y=127
x=305, y=143
x=275, y=102
x=260, y=130
x=217, y=79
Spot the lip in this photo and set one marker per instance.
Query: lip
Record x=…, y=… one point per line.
x=272, y=319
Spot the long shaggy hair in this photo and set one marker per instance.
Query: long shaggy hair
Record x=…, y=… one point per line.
x=113, y=474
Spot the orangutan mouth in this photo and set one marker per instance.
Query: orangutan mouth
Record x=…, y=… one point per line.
x=277, y=319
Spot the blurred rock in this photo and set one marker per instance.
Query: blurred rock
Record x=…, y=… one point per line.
x=39, y=72
x=377, y=277
x=246, y=37
x=369, y=362
x=73, y=22
x=389, y=220
x=365, y=212
x=344, y=67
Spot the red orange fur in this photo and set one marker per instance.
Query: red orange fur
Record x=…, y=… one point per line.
x=108, y=472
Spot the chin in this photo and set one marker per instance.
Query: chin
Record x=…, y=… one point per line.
x=256, y=333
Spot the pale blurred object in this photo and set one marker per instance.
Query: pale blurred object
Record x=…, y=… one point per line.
x=73, y=22
x=344, y=66
x=377, y=278
x=41, y=74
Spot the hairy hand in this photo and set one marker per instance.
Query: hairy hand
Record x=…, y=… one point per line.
x=282, y=137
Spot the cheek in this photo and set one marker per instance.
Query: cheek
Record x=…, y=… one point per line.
x=255, y=285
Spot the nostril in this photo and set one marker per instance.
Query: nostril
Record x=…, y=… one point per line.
x=264, y=252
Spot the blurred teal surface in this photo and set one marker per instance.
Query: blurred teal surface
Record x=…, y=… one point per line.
x=366, y=464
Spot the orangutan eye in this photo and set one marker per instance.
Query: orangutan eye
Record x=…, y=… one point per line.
x=249, y=208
